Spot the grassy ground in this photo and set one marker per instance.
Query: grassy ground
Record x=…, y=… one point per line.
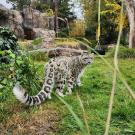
x=54, y=118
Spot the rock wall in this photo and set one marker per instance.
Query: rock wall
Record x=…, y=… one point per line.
x=15, y=22
x=48, y=37
x=35, y=19
x=29, y=23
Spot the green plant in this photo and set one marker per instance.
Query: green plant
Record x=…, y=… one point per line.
x=37, y=41
x=8, y=53
x=123, y=52
x=64, y=32
x=8, y=45
x=14, y=66
x=27, y=73
x=22, y=70
x=50, y=12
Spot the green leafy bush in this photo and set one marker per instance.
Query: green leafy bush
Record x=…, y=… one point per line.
x=8, y=45
x=27, y=73
x=14, y=66
x=64, y=32
x=123, y=52
x=8, y=53
x=24, y=71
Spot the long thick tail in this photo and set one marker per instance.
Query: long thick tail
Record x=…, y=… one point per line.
x=24, y=98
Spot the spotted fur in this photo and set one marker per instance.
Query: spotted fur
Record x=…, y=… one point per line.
x=58, y=72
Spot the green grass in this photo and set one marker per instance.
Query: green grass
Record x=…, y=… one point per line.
x=123, y=52
x=94, y=94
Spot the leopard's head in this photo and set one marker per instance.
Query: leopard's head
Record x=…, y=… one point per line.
x=86, y=58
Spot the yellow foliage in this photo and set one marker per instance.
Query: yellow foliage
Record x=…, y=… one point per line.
x=77, y=28
x=114, y=8
x=24, y=44
x=50, y=12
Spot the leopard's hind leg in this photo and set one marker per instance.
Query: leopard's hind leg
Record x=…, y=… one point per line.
x=60, y=83
x=70, y=84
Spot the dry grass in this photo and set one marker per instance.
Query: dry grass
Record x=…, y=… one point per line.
x=41, y=122
x=25, y=44
x=67, y=42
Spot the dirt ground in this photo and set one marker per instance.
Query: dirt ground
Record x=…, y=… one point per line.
x=42, y=122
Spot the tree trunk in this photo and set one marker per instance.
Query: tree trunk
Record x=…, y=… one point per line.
x=130, y=6
x=56, y=17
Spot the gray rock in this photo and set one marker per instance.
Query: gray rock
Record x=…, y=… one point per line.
x=15, y=22
x=29, y=23
x=3, y=8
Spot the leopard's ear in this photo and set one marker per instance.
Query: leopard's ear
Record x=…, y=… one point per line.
x=84, y=52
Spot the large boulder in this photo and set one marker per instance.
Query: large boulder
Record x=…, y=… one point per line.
x=2, y=8
x=15, y=21
x=47, y=35
x=36, y=23
x=12, y=19
x=3, y=15
x=29, y=23
x=35, y=19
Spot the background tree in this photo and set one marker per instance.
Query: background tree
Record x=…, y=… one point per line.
x=78, y=28
x=64, y=10
x=90, y=17
x=110, y=14
x=18, y=4
x=110, y=22
x=56, y=16
x=130, y=6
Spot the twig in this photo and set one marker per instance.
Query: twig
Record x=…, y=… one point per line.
x=116, y=68
x=84, y=114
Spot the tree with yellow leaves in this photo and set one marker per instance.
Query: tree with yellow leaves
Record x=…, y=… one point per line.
x=77, y=28
x=110, y=16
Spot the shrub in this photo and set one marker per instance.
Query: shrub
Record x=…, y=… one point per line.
x=8, y=53
x=15, y=67
x=64, y=32
x=8, y=45
x=22, y=70
x=123, y=52
x=27, y=73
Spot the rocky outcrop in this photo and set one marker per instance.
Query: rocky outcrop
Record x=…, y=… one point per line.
x=35, y=19
x=3, y=9
x=29, y=23
x=36, y=24
x=12, y=19
x=47, y=35
x=15, y=22
x=58, y=51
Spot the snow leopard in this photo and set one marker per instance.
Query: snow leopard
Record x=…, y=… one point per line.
x=59, y=72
